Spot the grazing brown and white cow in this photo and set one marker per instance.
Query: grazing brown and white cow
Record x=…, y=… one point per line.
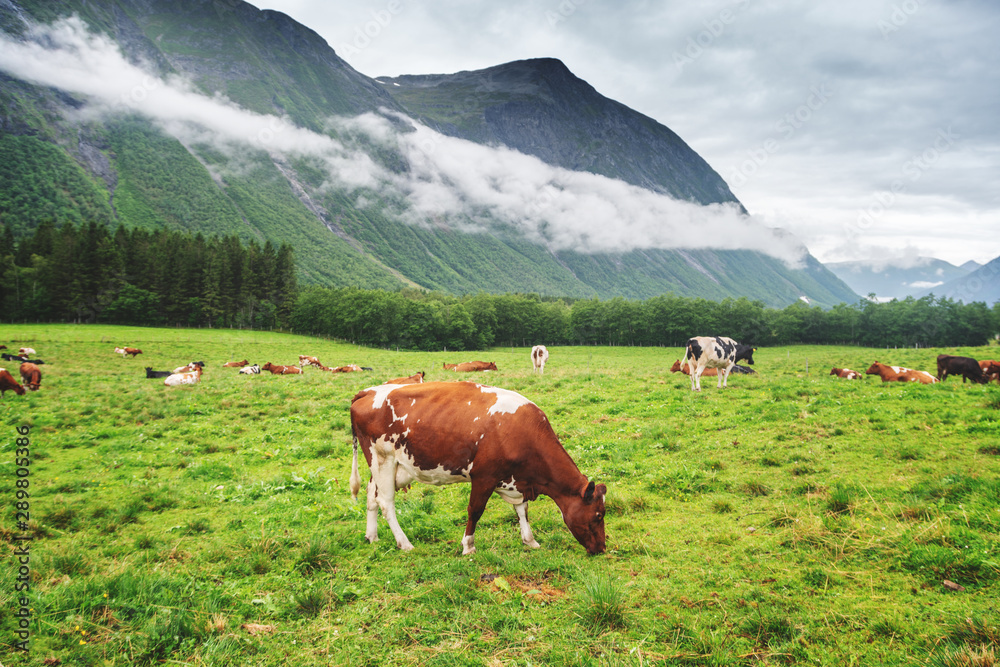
x=128, y=351
x=449, y=432
x=235, y=364
x=26, y=351
x=189, y=377
x=967, y=367
x=31, y=376
x=991, y=369
x=281, y=370
x=471, y=366
x=845, y=373
x=7, y=383
x=416, y=378
x=899, y=374
x=720, y=352
x=539, y=355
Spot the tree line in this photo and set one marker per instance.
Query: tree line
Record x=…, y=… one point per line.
x=89, y=273
x=413, y=319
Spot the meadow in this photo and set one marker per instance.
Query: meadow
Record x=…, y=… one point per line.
x=791, y=518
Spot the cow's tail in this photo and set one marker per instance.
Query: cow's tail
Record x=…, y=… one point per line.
x=687, y=353
x=355, y=475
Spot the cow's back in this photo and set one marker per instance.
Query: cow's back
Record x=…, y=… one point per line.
x=449, y=426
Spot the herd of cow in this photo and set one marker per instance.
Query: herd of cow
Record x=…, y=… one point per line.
x=947, y=364
x=495, y=439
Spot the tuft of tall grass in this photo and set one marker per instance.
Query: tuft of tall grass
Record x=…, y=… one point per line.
x=603, y=603
x=841, y=499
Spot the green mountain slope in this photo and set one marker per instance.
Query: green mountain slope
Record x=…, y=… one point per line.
x=128, y=169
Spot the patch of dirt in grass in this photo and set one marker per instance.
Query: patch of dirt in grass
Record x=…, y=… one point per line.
x=537, y=587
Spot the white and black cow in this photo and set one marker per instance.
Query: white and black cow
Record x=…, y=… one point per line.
x=250, y=370
x=720, y=352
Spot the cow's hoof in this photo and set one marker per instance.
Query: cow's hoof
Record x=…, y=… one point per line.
x=533, y=544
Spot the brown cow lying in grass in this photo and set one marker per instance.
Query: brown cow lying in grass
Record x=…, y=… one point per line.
x=235, y=364
x=471, y=366
x=416, y=378
x=845, y=373
x=900, y=374
x=281, y=370
x=678, y=368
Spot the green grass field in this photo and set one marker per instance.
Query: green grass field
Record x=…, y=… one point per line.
x=792, y=518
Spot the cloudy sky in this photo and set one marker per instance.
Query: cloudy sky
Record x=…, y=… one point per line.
x=868, y=128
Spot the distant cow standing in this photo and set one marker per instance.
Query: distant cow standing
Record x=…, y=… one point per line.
x=31, y=376
x=539, y=355
x=451, y=432
x=720, y=352
x=967, y=367
x=845, y=373
x=7, y=382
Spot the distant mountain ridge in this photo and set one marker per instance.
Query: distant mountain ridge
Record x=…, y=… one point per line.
x=981, y=284
x=126, y=169
x=895, y=282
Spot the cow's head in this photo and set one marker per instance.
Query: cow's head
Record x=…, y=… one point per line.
x=584, y=517
x=491, y=366
x=745, y=352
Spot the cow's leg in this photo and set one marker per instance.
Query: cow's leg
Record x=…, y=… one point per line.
x=478, y=497
x=522, y=517
x=371, y=526
x=385, y=480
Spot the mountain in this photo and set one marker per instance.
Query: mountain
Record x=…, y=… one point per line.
x=538, y=107
x=921, y=276
x=981, y=284
x=264, y=132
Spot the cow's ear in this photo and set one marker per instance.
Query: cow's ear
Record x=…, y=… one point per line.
x=588, y=493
